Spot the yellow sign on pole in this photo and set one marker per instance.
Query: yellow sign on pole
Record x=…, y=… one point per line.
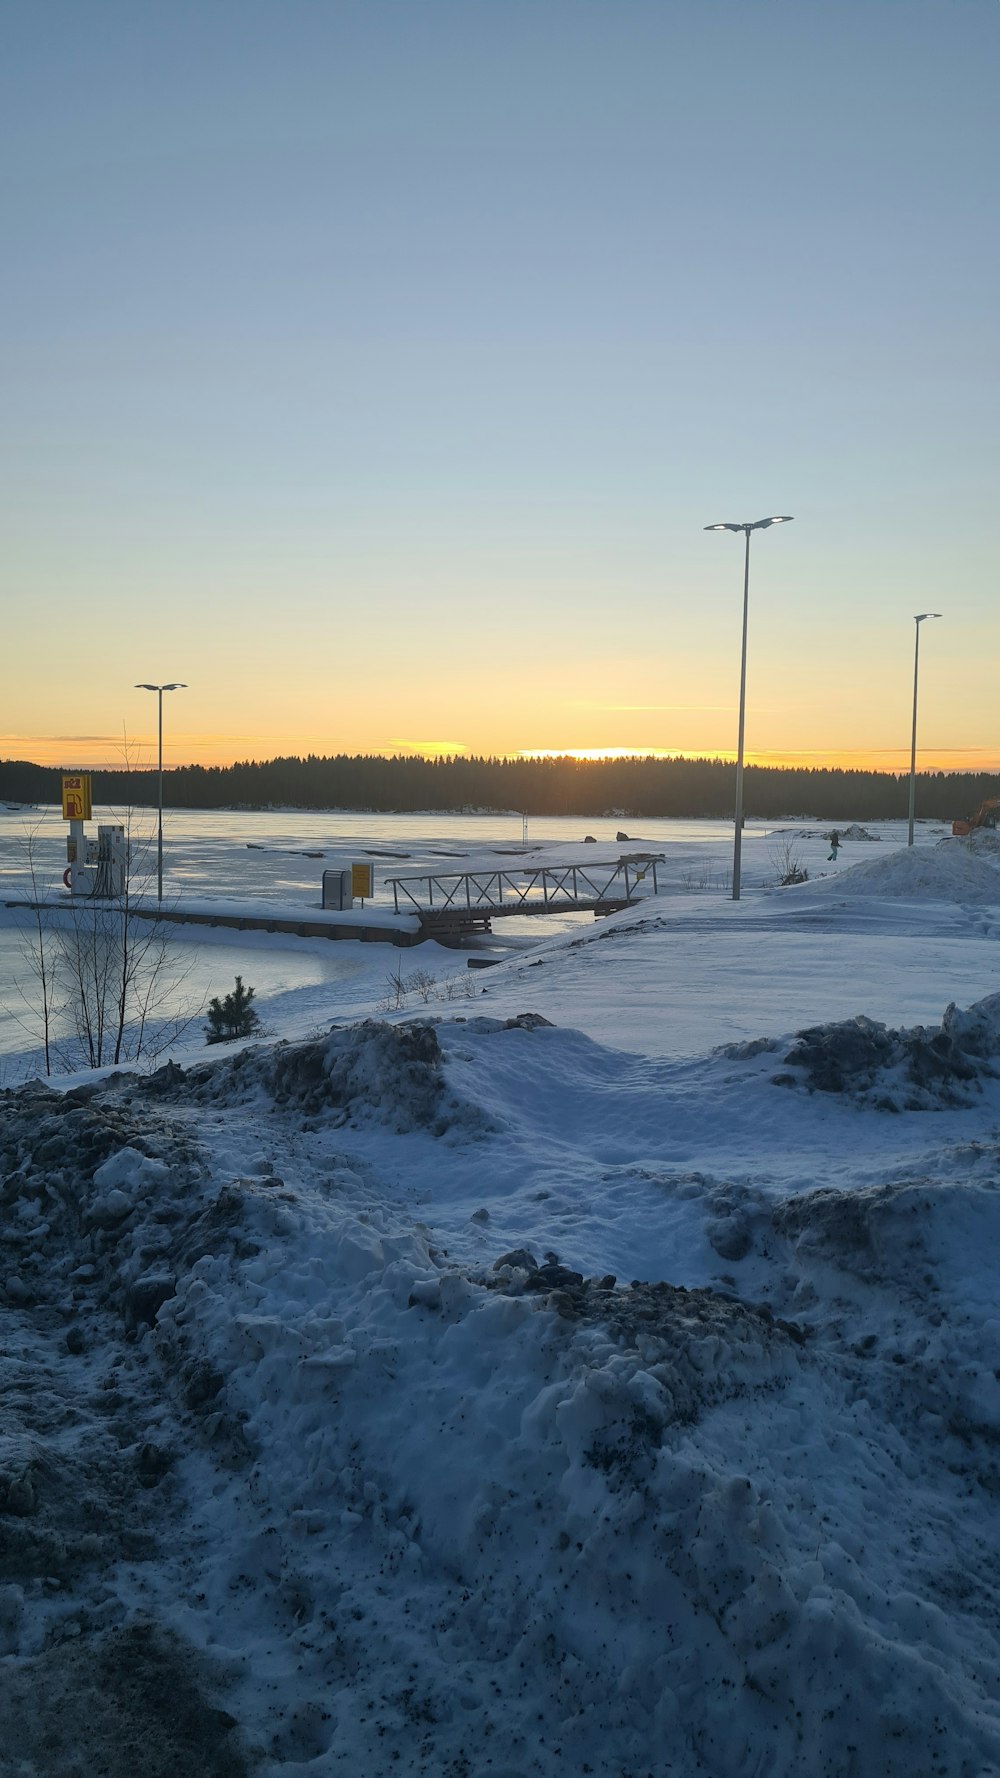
x=362, y=880
x=76, y=797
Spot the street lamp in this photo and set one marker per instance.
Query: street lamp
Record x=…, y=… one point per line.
x=920, y=618
x=747, y=527
x=159, y=690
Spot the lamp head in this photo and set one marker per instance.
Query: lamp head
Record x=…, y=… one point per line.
x=919, y=618
x=749, y=525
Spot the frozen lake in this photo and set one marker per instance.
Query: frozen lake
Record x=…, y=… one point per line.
x=279, y=856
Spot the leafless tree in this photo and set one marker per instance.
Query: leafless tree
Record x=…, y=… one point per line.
x=116, y=968
x=100, y=973
x=39, y=953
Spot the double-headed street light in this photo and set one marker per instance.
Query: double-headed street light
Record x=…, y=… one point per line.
x=746, y=527
x=919, y=618
x=159, y=690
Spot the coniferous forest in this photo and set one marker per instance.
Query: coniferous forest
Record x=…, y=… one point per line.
x=624, y=788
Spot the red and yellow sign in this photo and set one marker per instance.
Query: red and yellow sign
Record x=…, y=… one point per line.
x=76, y=797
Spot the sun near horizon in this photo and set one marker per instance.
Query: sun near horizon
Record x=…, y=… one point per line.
x=140, y=754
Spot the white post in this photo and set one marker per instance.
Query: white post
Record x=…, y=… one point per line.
x=738, y=840
x=913, y=734
x=78, y=841
x=918, y=620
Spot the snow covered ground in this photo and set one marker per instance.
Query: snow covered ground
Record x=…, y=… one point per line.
x=573, y=1371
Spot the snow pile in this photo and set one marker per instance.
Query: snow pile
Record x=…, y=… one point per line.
x=633, y=1574
x=857, y=832
x=984, y=841
x=917, y=1069
x=286, y=1487
x=367, y=1073
x=88, y=1453
x=917, y=873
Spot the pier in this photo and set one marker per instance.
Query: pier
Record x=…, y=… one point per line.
x=370, y=926
x=454, y=904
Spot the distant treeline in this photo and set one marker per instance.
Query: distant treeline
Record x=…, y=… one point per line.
x=623, y=788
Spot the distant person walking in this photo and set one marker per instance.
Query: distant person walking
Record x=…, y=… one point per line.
x=834, y=847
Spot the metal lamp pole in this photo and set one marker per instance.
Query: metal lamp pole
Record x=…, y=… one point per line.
x=918, y=620
x=746, y=527
x=159, y=690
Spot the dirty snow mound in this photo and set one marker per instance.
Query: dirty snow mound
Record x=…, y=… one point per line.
x=92, y=1206
x=923, y=1068
x=370, y=1073
x=857, y=832
x=917, y=873
x=268, y=1450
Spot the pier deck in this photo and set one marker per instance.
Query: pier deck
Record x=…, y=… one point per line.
x=452, y=904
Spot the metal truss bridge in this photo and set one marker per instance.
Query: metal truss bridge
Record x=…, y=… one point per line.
x=453, y=903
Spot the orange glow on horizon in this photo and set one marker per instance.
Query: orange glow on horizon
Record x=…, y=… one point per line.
x=103, y=753
x=872, y=759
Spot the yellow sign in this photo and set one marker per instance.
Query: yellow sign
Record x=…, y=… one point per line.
x=76, y=797
x=362, y=880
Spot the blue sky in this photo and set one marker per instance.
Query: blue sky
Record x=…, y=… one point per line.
x=374, y=368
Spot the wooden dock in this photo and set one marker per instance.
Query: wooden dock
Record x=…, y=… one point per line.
x=367, y=935
x=299, y=926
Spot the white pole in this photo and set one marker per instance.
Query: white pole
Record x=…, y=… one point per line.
x=918, y=620
x=738, y=838
x=913, y=736
x=159, y=819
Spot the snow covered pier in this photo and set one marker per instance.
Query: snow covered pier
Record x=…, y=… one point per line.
x=370, y=925
x=454, y=903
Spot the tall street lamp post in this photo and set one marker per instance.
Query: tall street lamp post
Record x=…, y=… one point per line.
x=159, y=690
x=746, y=527
x=918, y=620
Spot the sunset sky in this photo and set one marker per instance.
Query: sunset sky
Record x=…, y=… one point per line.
x=375, y=365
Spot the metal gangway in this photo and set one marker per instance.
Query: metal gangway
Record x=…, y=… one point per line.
x=457, y=902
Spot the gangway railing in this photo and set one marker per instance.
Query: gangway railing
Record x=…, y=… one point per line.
x=537, y=889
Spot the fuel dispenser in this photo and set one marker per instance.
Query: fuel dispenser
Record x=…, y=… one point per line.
x=94, y=868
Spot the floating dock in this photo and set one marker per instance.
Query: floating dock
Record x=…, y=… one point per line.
x=368, y=925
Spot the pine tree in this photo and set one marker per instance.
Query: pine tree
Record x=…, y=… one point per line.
x=232, y=1017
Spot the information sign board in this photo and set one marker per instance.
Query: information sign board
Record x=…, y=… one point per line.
x=362, y=881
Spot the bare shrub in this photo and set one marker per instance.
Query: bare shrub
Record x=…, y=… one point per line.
x=99, y=971
x=786, y=862
x=420, y=983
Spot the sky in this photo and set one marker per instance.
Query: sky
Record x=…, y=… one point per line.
x=374, y=366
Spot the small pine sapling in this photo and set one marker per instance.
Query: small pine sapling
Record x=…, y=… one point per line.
x=233, y=1016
